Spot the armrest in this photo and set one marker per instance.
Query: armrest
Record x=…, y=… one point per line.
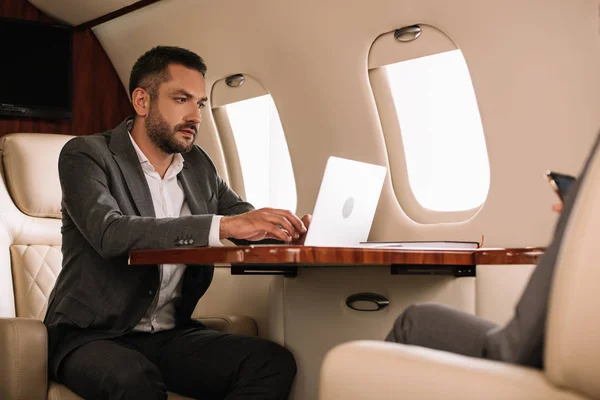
x=231, y=324
x=389, y=371
x=24, y=359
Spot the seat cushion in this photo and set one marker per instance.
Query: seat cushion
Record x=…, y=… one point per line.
x=376, y=370
x=60, y=392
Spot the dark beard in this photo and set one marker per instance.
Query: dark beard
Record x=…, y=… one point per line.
x=161, y=134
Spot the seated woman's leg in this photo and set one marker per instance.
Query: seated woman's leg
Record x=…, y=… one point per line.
x=442, y=328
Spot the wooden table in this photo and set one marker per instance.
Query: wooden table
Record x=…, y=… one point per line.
x=285, y=260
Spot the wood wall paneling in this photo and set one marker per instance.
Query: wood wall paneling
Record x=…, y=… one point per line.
x=99, y=100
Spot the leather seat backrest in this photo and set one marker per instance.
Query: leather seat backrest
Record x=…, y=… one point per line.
x=572, y=354
x=30, y=196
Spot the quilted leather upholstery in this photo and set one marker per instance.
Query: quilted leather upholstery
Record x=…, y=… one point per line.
x=35, y=269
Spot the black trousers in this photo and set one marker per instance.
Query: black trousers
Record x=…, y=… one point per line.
x=194, y=362
x=440, y=327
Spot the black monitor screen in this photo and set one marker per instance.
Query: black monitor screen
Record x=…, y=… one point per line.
x=35, y=71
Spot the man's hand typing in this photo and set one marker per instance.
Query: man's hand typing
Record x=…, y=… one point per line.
x=265, y=223
x=306, y=221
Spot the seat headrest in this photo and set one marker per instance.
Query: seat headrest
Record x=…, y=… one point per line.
x=30, y=162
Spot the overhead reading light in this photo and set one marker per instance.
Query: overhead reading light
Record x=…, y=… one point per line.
x=236, y=80
x=408, y=33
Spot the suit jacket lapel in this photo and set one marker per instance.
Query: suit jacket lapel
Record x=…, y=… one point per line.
x=127, y=159
x=192, y=190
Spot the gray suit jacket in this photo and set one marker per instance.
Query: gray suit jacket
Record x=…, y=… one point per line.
x=521, y=341
x=107, y=212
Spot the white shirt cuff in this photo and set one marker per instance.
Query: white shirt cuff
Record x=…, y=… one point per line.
x=215, y=232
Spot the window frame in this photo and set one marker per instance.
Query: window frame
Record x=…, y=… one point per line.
x=385, y=51
x=221, y=96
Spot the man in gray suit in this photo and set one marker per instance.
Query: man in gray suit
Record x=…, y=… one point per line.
x=521, y=340
x=122, y=332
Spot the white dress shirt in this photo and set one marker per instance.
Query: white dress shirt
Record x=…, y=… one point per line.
x=168, y=199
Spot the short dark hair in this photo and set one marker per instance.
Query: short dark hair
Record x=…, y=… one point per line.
x=150, y=70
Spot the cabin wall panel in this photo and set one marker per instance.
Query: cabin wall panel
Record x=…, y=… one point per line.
x=536, y=86
x=100, y=101
x=318, y=319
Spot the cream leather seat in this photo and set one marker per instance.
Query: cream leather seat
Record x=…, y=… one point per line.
x=381, y=371
x=30, y=260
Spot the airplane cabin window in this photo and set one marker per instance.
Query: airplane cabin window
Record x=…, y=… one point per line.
x=264, y=156
x=254, y=144
x=446, y=157
x=432, y=127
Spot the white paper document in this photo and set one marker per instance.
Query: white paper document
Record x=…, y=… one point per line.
x=421, y=245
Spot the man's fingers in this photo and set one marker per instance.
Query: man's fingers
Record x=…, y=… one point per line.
x=275, y=232
x=282, y=223
x=279, y=224
x=291, y=217
x=269, y=236
x=306, y=220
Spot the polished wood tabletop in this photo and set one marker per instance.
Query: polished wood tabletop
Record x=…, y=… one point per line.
x=307, y=256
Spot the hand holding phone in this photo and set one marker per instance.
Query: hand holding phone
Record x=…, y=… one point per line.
x=560, y=183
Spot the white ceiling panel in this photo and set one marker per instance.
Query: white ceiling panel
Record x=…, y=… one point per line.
x=76, y=12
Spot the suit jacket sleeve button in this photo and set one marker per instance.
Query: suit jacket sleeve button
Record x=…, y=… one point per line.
x=191, y=241
x=151, y=292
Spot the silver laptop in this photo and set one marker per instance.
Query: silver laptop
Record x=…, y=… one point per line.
x=346, y=203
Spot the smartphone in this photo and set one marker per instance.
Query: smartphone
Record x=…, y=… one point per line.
x=560, y=183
